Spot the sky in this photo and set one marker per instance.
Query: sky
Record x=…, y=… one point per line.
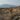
x=10, y=2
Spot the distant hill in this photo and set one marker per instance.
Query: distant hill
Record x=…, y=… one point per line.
x=7, y=6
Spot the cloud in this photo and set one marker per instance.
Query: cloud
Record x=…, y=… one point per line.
x=11, y=2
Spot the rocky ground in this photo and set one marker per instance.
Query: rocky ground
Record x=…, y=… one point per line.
x=9, y=16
